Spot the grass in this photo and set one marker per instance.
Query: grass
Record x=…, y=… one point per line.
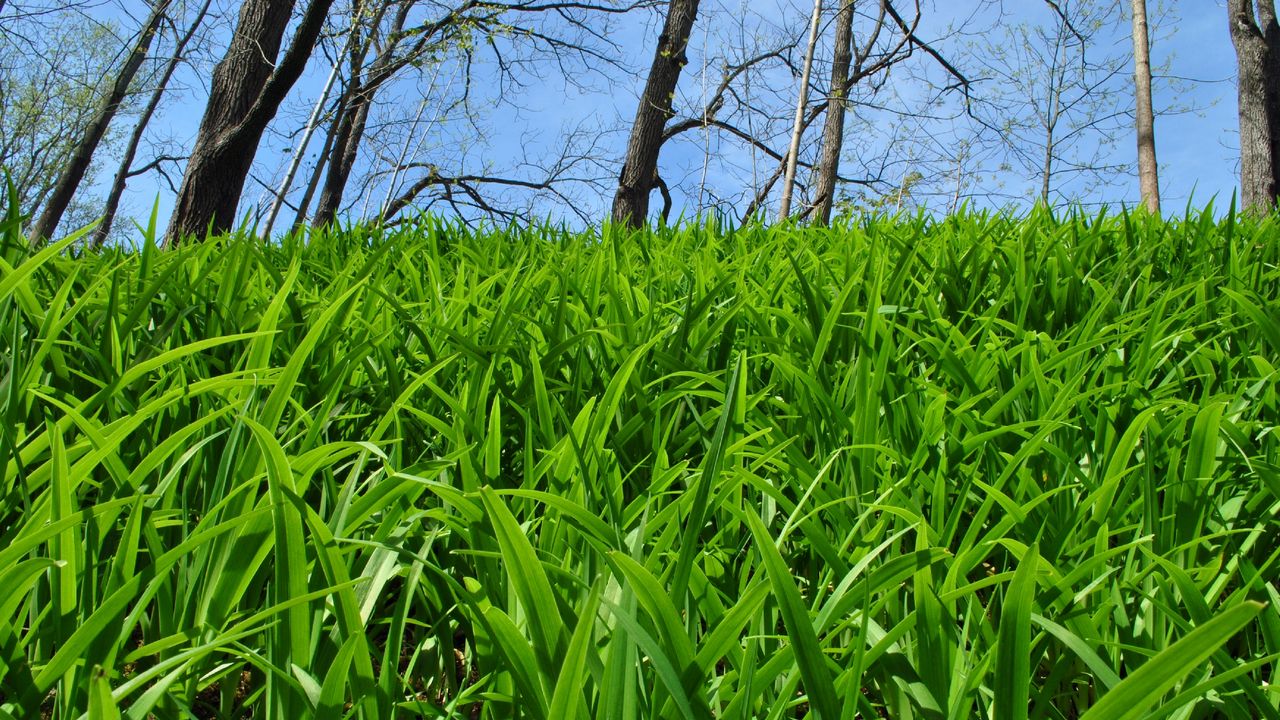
x=978, y=467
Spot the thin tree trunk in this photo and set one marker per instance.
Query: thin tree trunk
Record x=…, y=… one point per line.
x=828, y=169
x=135, y=139
x=82, y=156
x=640, y=169
x=348, y=131
x=793, y=152
x=342, y=159
x=1148, y=172
x=248, y=87
x=1046, y=172
x=1052, y=113
x=335, y=139
x=312, y=123
x=322, y=162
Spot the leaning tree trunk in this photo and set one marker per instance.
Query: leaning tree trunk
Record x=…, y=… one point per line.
x=802, y=100
x=317, y=172
x=828, y=169
x=640, y=169
x=348, y=130
x=342, y=159
x=135, y=139
x=1257, y=90
x=248, y=87
x=82, y=155
x=313, y=121
x=1148, y=172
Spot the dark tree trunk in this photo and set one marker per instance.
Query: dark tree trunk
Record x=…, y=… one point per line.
x=640, y=169
x=342, y=158
x=1271, y=83
x=135, y=139
x=1145, y=121
x=833, y=132
x=338, y=129
x=78, y=164
x=348, y=133
x=1257, y=57
x=247, y=89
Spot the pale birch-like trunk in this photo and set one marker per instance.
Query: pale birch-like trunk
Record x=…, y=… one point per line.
x=802, y=100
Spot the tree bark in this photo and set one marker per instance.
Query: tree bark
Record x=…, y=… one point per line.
x=1148, y=171
x=247, y=89
x=640, y=168
x=348, y=130
x=82, y=156
x=342, y=159
x=317, y=172
x=313, y=121
x=1259, y=101
x=793, y=152
x=135, y=139
x=833, y=131
x=1053, y=108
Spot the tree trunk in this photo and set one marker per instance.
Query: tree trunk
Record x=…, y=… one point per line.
x=833, y=132
x=1271, y=33
x=78, y=164
x=247, y=89
x=1148, y=172
x=313, y=121
x=1258, y=91
x=1053, y=108
x=135, y=139
x=1046, y=172
x=640, y=169
x=793, y=152
x=348, y=130
x=342, y=159
x=317, y=172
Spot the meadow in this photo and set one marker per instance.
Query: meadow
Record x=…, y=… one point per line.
x=981, y=466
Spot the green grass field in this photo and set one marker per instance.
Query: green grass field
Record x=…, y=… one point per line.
x=980, y=467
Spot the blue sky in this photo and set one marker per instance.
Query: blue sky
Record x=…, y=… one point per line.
x=1197, y=150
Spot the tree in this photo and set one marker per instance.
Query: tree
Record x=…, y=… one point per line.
x=890, y=41
x=1256, y=38
x=313, y=121
x=1144, y=116
x=50, y=92
x=640, y=168
x=126, y=170
x=826, y=173
x=403, y=41
x=247, y=89
x=363, y=83
x=1057, y=99
x=797, y=130
x=77, y=165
